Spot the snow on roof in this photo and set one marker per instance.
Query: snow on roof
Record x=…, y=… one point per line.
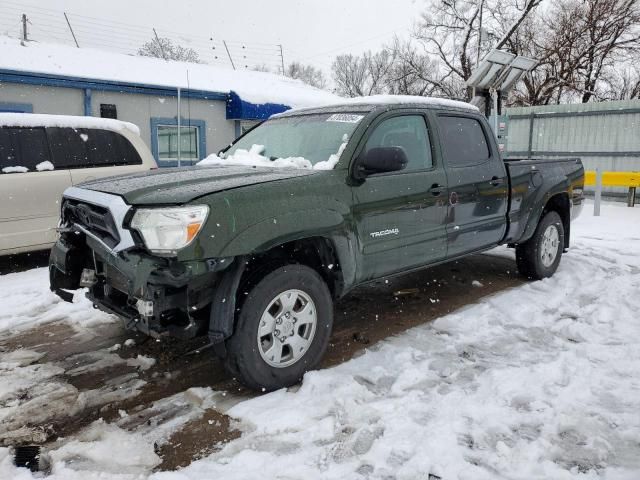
x=389, y=99
x=45, y=120
x=88, y=63
x=407, y=99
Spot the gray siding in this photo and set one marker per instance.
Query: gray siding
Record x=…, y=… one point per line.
x=54, y=100
x=605, y=135
x=139, y=109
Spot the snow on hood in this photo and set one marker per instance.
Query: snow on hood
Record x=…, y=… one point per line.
x=89, y=63
x=45, y=120
x=254, y=158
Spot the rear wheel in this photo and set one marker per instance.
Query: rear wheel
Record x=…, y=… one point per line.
x=539, y=257
x=283, y=329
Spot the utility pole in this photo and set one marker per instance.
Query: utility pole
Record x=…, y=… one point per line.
x=281, y=59
x=227, y=49
x=164, y=55
x=179, y=128
x=25, y=33
x=479, y=32
x=71, y=29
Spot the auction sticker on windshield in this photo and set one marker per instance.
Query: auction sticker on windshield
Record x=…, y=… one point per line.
x=345, y=118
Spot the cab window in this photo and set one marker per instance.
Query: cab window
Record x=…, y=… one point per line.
x=408, y=132
x=463, y=141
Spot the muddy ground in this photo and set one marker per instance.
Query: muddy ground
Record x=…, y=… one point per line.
x=366, y=316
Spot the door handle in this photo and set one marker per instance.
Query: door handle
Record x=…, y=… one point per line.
x=496, y=181
x=436, y=189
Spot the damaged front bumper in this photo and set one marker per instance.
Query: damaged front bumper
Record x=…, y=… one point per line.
x=154, y=295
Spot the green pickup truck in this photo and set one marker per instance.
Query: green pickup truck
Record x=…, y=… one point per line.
x=253, y=247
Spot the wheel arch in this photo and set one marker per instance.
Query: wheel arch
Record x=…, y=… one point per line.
x=559, y=203
x=318, y=253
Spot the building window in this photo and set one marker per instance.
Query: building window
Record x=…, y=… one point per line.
x=164, y=141
x=108, y=110
x=167, y=137
x=16, y=107
x=246, y=125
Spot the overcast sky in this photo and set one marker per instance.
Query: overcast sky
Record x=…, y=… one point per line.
x=312, y=31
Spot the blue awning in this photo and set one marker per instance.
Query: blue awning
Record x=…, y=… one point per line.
x=238, y=109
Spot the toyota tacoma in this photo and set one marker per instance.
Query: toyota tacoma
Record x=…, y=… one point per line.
x=253, y=247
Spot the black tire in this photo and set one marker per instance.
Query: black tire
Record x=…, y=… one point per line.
x=529, y=254
x=244, y=361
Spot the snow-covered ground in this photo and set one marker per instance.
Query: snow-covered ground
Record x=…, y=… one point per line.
x=539, y=382
x=26, y=301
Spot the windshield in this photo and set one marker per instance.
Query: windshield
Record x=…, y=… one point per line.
x=312, y=137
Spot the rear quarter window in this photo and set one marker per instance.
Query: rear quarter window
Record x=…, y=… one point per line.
x=463, y=141
x=22, y=147
x=86, y=148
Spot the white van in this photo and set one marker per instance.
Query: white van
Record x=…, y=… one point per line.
x=42, y=155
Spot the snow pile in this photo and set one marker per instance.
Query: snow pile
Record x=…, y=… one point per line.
x=26, y=301
x=254, y=158
x=332, y=161
x=46, y=165
x=72, y=121
x=17, y=169
x=93, y=64
x=107, y=449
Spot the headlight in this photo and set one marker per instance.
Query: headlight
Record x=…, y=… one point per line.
x=166, y=230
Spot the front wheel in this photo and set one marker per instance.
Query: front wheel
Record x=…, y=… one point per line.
x=539, y=256
x=283, y=329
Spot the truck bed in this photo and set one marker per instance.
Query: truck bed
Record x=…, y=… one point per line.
x=532, y=182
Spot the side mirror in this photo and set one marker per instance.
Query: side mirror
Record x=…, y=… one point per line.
x=383, y=159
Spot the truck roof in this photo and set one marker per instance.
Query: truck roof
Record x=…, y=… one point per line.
x=374, y=102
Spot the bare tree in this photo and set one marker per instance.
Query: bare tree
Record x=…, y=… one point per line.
x=579, y=45
x=611, y=30
x=627, y=85
x=360, y=75
x=307, y=73
x=163, y=47
x=263, y=67
x=586, y=50
x=450, y=31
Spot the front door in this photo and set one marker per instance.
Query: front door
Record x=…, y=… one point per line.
x=478, y=185
x=400, y=216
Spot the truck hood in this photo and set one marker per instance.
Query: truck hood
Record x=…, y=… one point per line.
x=181, y=185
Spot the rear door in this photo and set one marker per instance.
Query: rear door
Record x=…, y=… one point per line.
x=30, y=190
x=478, y=184
x=400, y=215
x=93, y=153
